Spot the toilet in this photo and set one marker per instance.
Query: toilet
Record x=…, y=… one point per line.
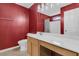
x=23, y=44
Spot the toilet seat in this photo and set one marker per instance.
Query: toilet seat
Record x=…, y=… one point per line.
x=23, y=44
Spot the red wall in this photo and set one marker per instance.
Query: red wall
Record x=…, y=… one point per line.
x=32, y=21
x=16, y=21
x=66, y=8
x=14, y=24
x=36, y=20
x=40, y=22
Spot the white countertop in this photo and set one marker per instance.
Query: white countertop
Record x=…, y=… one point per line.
x=64, y=41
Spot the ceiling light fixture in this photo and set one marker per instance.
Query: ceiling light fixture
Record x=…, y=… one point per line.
x=44, y=6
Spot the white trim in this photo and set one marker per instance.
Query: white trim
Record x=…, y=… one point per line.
x=8, y=49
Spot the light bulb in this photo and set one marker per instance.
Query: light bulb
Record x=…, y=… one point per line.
x=39, y=8
x=42, y=7
x=46, y=6
x=51, y=5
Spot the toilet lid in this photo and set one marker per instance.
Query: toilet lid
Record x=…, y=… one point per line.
x=22, y=41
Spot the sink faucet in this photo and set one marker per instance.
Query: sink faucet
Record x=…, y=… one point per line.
x=40, y=33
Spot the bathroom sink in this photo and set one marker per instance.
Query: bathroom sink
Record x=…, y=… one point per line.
x=57, y=43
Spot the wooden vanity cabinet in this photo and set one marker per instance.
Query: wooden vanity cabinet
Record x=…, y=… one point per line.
x=59, y=50
x=29, y=48
x=78, y=54
x=33, y=47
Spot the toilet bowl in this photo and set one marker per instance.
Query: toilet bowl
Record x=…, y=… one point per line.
x=23, y=44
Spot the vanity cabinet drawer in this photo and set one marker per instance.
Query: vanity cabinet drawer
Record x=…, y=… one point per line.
x=57, y=49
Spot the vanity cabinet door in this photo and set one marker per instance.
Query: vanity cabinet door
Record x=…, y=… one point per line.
x=35, y=47
x=78, y=54
x=29, y=45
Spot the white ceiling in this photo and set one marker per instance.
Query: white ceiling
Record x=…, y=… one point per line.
x=50, y=11
x=27, y=5
x=54, y=10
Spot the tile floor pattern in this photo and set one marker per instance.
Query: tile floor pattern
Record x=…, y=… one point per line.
x=14, y=52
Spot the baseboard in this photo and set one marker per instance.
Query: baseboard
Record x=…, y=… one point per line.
x=8, y=49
